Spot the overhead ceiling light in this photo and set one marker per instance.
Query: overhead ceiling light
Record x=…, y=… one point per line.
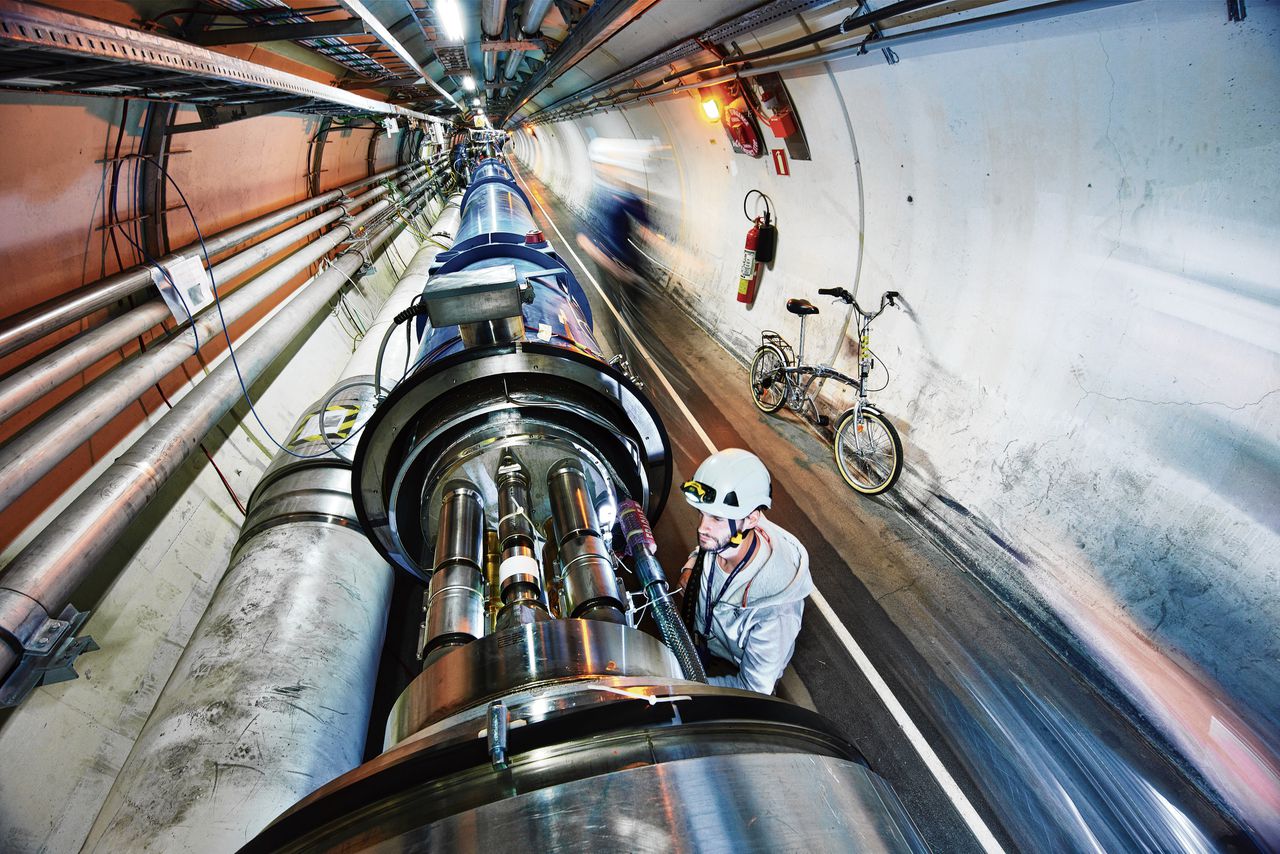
x=469, y=83
x=475, y=102
x=451, y=19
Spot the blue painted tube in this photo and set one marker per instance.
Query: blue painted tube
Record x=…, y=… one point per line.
x=494, y=209
x=494, y=223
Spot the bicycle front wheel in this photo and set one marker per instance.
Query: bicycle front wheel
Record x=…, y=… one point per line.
x=868, y=452
x=768, y=382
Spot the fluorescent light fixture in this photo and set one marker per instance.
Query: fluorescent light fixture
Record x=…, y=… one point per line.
x=450, y=19
x=475, y=102
x=469, y=83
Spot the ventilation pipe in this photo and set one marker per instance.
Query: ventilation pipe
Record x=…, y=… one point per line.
x=271, y=698
x=493, y=14
x=530, y=25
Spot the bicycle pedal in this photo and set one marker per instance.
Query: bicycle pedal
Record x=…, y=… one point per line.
x=822, y=421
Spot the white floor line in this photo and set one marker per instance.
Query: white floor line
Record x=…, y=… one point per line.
x=946, y=782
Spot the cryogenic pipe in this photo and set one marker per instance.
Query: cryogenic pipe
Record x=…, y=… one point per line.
x=300, y=541
x=455, y=596
x=591, y=589
x=519, y=583
x=32, y=382
x=39, y=582
x=36, y=451
x=532, y=14
x=36, y=322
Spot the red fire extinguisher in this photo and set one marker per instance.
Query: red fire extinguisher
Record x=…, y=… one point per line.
x=749, y=276
x=759, y=249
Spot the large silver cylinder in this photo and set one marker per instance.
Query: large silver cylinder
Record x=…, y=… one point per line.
x=589, y=585
x=456, y=602
x=571, y=506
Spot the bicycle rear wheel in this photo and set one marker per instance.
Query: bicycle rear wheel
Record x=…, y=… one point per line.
x=868, y=455
x=768, y=383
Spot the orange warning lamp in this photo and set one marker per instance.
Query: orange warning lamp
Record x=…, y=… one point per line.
x=710, y=108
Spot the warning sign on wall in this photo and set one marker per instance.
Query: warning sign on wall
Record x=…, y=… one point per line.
x=780, y=161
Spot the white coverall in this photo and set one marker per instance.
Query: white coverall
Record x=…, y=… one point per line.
x=755, y=623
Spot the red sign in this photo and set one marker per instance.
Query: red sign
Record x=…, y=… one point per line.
x=780, y=161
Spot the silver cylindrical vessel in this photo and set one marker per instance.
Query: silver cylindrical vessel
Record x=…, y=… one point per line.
x=571, y=506
x=460, y=538
x=455, y=598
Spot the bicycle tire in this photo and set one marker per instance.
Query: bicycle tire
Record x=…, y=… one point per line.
x=759, y=368
x=872, y=464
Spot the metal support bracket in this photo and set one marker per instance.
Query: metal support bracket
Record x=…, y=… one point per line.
x=496, y=734
x=48, y=657
x=876, y=32
x=211, y=116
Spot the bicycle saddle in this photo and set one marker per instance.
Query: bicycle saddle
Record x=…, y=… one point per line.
x=801, y=307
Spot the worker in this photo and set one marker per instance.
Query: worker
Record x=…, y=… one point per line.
x=746, y=583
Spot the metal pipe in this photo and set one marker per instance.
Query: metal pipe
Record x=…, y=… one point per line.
x=590, y=586
x=512, y=66
x=304, y=603
x=519, y=573
x=490, y=66
x=38, y=449
x=39, y=582
x=38, y=321
x=493, y=14
x=530, y=25
x=1044, y=11
x=32, y=382
x=455, y=603
x=531, y=16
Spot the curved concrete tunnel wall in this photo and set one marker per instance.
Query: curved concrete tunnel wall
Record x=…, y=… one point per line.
x=1083, y=217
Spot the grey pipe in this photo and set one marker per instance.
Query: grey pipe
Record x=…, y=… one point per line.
x=38, y=449
x=531, y=16
x=530, y=25
x=32, y=382
x=493, y=14
x=328, y=591
x=38, y=321
x=490, y=67
x=40, y=581
x=588, y=583
x=455, y=596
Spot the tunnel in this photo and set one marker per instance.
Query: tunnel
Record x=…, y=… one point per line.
x=640, y=425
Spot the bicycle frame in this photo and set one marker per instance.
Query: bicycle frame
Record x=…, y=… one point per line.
x=801, y=377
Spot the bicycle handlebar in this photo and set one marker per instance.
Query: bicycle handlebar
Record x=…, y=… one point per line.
x=887, y=298
x=838, y=293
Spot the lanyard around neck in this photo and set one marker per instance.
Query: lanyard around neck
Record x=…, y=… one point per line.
x=711, y=604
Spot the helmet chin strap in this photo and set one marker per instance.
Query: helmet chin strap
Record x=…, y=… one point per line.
x=735, y=536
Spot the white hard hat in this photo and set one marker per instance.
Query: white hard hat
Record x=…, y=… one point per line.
x=730, y=484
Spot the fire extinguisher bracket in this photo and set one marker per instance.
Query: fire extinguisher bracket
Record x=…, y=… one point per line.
x=759, y=247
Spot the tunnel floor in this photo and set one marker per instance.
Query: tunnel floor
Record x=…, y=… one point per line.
x=902, y=646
